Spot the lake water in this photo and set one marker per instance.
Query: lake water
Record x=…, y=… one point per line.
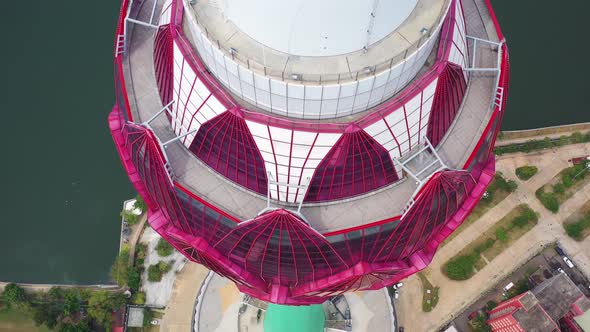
x=62, y=184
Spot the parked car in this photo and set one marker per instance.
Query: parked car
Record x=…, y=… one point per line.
x=559, y=251
x=560, y=270
x=155, y=322
x=398, y=285
x=507, y=287
x=401, y=329
x=396, y=295
x=568, y=262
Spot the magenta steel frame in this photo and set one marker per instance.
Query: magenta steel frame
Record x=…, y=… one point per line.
x=277, y=257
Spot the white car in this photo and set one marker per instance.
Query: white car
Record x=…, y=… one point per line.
x=560, y=270
x=398, y=285
x=155, y=322
x=568, y=262
x=396, y=295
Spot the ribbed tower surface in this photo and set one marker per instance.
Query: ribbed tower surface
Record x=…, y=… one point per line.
x=304, y=148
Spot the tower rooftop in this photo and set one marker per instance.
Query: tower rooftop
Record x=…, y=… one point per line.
x=313, y=39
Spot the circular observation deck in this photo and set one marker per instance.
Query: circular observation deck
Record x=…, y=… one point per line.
x=320, y=60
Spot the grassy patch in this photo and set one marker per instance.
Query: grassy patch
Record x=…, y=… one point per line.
x=491, y=243
x=563, y=186
x=429, y=293
x=498, y=189
x=15, y=320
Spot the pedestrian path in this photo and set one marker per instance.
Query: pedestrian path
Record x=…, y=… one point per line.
x=457, y=295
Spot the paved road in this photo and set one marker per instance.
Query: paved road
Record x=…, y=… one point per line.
x=179, y=311
x=455, y=296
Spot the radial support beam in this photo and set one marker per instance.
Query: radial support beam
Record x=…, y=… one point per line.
x=178, y=138
x=164, y=109
x=422, y=173
x=272, y=182
x=145, y=24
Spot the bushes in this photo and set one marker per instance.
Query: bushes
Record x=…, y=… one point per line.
x=484, y=246
x=576, y=229
x=139, y=204
x=500, y=183
x=548, y=199
x=461, y=267
x=164, y=248
x=157, y=271
x=573, y=174
x=526, y=172
x=545, y=143
x=501, y=234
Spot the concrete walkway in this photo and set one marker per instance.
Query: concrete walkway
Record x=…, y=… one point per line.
x=521, y=136
x=454, y=295
x=179, y=311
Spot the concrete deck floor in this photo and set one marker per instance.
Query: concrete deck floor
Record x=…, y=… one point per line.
x=326, y=217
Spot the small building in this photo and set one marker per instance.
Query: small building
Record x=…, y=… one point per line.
x=556, y=304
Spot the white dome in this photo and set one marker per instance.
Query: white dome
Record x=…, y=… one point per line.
x=318, y=27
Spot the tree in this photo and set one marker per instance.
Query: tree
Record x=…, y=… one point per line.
x=526, y=172
x=460, y=268
x=130, y=217
x=101, y=305
x=164, y=248
x=81, y=326
x=138, y=298
x=119, y=270
x=13, y=294
x=71, y=303
x=134, y=278
x=140, y=203
x=501, y=234
x=46, y=313
x=574, y=230
x=156, y=271
x=479, y=324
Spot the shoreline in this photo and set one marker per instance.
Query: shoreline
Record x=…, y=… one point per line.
x=507, y=137
x=521, y=136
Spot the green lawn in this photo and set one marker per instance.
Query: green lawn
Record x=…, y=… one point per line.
x=18, y=321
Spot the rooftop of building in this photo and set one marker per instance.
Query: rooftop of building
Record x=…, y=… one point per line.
x=558, y=294
x=401, y=33
x=540, y=309
x=385, y=203
x=532, y=317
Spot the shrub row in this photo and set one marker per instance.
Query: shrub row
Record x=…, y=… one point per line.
x=545, y=143
x=462, y=267
x=569, y=177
